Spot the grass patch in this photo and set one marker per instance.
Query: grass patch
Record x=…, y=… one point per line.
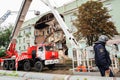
x=9, y=74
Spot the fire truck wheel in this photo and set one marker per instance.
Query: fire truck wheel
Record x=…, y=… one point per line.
x=38, y=66
x=50, y=67
x=12, y=65
x=26, y=66
x=6, y=65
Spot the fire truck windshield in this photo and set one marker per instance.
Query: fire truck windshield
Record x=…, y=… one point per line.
x=40, y=48
x=48, y=48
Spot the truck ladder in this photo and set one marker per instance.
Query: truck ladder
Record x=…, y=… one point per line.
x=20, y=19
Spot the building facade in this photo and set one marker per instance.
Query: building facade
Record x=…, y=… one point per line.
x=26, y=36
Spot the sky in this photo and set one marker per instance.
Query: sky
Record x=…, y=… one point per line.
x=14, y=5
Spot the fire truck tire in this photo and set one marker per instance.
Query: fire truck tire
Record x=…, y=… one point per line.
x=50, y=67
x=6, y=65
x=12, y=65
x=38, y=66
x=26, y=66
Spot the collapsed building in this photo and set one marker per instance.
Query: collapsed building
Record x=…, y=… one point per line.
x=48, y=31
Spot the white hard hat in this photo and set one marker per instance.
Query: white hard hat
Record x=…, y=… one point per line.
x=103, y=38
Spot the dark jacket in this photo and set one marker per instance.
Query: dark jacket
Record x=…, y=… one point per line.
x=102, y=57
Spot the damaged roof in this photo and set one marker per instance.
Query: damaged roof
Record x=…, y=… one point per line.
x=41, y=23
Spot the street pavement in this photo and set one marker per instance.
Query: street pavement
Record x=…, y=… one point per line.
x=21, y=75
x=11, y=78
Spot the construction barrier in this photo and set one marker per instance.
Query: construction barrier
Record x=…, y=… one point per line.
x=48, y=76
x=81, y=68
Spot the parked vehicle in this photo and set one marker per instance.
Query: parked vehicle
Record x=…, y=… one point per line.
x=36, y=56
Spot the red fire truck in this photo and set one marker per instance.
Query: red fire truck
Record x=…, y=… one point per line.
x=38, y=56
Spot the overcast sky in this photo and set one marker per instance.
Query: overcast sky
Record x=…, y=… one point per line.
x=14, y=5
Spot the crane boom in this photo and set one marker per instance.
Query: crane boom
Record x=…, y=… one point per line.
x=76, y=50
x=5, y=16
x=21, y=16
x=66, y=30
x=19, y=21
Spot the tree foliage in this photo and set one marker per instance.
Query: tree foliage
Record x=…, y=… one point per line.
x=92, y=21
x=4, y=37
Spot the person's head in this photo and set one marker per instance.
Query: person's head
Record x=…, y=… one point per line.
x=103, y=38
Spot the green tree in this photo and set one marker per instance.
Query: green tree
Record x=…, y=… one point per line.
x=92, y=21
x=4, y=37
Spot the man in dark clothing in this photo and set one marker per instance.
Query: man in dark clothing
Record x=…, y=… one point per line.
x=102, y=58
